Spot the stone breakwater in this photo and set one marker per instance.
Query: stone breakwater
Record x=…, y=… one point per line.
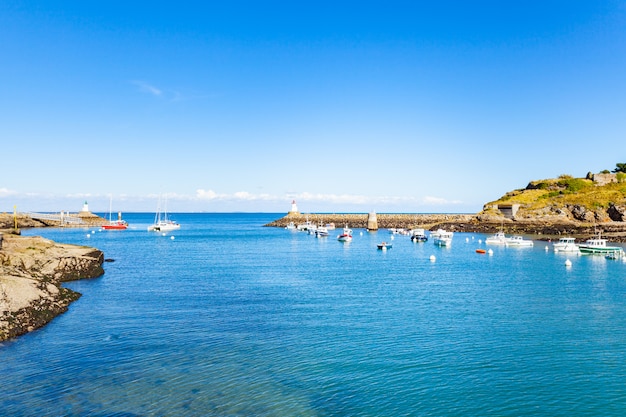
x=31, y=272
x=541, y=227
x=384, y=220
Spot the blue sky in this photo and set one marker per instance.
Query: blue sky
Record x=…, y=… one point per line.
x=344, y=106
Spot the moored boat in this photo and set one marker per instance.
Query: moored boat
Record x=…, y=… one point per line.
x=443, y=238
x=499, y=238
x=162, y=223
x=384, y=245
x=566, y=244
x=118, y=224
x=518, y=241
x=598, y=246
x=346, y=235
x=418, y=235
x=321, y=231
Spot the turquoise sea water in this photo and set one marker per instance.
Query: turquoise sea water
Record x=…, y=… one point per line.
x=230, y=318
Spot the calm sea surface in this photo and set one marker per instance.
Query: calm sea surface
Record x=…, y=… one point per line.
x=229, y=318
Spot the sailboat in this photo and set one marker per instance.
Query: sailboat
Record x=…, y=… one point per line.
x=118, y=224
x=161, y=222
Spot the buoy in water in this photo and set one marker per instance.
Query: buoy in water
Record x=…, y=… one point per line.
x=568, y=262
x=481, y=251
x=490, y=252
x=546, y=248
x=172, y=237
x=432, y=258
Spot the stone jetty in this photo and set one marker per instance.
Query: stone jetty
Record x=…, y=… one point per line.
x=383, y=221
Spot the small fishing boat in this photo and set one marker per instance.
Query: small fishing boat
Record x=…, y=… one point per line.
x=598, y=246
x=346, y=235
x=418, y=235
x=518, y=241
x=481, y=251
x=499, y=238
x=442, y=238
x=566, y=244
x=306, y=226
x=321, y=231
x=384, y=245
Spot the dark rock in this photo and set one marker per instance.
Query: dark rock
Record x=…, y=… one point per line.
x=617, y=213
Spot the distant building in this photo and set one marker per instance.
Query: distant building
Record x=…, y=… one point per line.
x=85, y=207
x=604, y=179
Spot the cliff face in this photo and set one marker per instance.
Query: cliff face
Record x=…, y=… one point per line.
x=31, y=272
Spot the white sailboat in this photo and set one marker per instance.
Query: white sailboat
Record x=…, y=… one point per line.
x=161, y=222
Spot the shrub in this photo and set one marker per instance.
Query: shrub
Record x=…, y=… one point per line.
x=573, y=185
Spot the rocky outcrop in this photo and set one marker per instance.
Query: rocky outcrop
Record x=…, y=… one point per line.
x=31, y=272
x=617, y=213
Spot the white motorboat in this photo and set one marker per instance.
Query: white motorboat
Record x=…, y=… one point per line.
x=497, y=239
x=518, y=241
x=346, y=235
x=566, y=244
x=306, y=226
x=418, y=235
x=442, y=238
x=321, y=231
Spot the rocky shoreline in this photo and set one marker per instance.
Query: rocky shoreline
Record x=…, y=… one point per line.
x=544, y=228
x=31, y=272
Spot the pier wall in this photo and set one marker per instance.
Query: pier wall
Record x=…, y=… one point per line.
x=384, y=221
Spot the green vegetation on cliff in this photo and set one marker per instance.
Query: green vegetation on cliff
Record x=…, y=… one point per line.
x=595, y=192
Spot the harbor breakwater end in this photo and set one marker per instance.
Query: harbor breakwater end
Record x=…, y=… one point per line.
x=31, y=272
x=542, y=228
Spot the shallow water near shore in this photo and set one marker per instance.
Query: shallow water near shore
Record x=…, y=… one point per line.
x=226, y=317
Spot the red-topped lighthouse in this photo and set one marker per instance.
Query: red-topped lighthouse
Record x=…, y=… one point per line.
x=294, y=209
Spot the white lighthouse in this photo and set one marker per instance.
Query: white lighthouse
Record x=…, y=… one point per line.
x=294, y=209
x=85, y=208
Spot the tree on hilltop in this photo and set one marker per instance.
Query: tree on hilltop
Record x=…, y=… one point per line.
x=620, y=167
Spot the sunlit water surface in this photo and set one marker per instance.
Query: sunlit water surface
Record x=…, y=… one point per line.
x=226, y=317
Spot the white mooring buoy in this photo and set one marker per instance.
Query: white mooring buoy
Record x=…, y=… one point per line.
x=432, y=258
x=568, y=262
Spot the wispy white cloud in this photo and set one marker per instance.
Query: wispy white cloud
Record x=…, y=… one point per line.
x=147, y=88
x=5, y=192
x=438, y=201
x=337, y=199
